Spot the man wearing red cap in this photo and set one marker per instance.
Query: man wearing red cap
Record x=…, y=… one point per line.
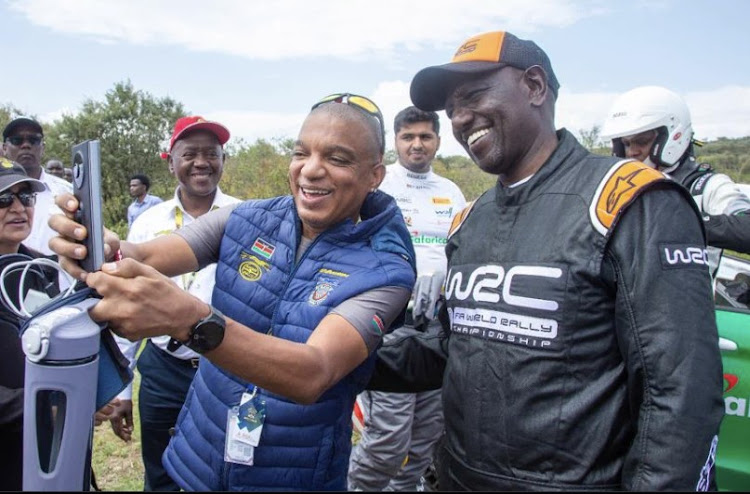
x=196, y=159
x=579, y=347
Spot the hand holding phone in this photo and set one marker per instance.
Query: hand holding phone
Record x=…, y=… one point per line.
x=87, y=189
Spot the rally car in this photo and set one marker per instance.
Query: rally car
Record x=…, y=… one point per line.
x=732, y=295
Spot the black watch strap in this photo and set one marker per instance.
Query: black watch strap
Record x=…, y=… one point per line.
x=208, y=333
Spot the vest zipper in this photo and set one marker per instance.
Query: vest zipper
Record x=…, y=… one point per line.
x=291, y=275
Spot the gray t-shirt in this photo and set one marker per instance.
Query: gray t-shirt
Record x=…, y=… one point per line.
x=204, y=237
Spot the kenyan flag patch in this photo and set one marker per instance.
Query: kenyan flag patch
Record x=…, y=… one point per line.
x=263, y=248
x=378, y=323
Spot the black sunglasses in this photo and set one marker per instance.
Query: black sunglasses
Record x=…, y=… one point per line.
x=364, y=104
x=28, y=199
x=18, y=140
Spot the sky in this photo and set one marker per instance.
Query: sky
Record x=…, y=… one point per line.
x=258, y=66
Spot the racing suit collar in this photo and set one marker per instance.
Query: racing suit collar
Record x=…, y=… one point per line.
x=541, y=180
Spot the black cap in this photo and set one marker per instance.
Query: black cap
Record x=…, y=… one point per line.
x=10, y=129
x=479, y=54
x=11, y=173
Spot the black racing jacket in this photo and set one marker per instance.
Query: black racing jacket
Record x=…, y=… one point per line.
x=723, y=231
x=580, y=348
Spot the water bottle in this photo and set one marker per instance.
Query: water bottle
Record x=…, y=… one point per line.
x=60, y=392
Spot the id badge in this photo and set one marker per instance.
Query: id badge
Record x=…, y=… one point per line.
x=235, y=450
x=250, y=419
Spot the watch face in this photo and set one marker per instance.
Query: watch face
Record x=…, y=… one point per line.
x=207, y=334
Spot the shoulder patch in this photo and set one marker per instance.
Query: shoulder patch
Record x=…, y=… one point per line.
x=699, y=185
x=617, y=189
x=459, y=219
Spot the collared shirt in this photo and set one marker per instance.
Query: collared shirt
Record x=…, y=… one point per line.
x=45, y=207
x=137, y=207
x=163, y=219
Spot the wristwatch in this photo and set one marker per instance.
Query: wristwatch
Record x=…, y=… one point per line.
x=208, y=333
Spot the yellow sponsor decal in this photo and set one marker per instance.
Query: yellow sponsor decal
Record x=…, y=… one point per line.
x=252, y=268
x=441, y=200
x=333, y=273
x=621, y=187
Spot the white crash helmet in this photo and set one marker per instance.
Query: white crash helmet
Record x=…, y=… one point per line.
x=651, y=107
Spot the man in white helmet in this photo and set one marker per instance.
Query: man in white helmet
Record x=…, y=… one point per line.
x=652, y=124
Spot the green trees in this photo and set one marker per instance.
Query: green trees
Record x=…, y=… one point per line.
x=7, y=113
x=133, y=127
x=259, y=170
x=469, y=177
x=730, y=156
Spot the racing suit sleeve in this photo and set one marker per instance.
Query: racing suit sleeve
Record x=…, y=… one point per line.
x=666, y=332
x=414, y=361
x=729, y=231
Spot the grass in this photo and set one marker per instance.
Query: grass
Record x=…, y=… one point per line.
x=117, y=464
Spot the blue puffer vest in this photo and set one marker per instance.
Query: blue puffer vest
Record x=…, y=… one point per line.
x=259, y=284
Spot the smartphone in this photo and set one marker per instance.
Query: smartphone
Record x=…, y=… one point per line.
x=87, y=189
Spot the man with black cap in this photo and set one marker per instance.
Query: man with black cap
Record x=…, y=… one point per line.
x=23, y=142
x=196, y=159
x=579, y=345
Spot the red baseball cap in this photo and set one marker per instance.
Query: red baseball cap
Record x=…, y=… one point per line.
x=196, y=122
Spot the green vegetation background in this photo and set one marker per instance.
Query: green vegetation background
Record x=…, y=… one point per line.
x=134, y=127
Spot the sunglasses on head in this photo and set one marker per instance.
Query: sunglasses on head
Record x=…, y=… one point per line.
x=18, y=140
x=364, y=104
x=28, y=199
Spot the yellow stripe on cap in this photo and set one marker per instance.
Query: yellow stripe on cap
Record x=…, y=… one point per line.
x=482, y=48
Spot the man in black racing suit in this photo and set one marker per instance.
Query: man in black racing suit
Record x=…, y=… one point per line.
x=579, y=348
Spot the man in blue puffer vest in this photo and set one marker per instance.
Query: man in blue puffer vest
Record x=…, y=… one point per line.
x=306, y=285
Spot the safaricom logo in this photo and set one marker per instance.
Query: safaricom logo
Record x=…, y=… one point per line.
x=733, y=405
x=427, y=239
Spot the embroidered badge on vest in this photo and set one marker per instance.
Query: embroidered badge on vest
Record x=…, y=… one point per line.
x=263, y=248
x=617, y=189
x=252, y=268
x=322, y=289
x=333, y=272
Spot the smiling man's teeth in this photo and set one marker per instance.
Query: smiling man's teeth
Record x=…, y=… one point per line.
x=315, y=192
x=476, y=135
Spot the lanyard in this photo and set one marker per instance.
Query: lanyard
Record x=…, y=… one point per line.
x=187, y=278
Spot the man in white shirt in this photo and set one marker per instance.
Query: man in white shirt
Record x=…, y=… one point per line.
x=23, y=142
x=401, y=429
x=196, y=159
